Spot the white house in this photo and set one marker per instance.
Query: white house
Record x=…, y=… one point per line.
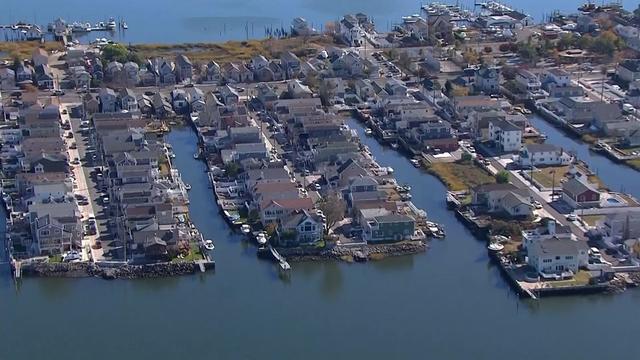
x=559, y=76
x=629, y=70
x=550, y=231
x=506, y=135
x=557, y=255
x=487, y=80
x=302, y=227
x=351, y=31
x=527, y=81
x=543, y=155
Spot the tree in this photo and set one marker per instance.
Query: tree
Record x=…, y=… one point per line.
x=231, y=169
x=502, y=177
x=404, y=61
x=115, y=52
x=471, y=57
x=466, y=157
x=333, y=207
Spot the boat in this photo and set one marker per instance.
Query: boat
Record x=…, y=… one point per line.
x=415, y=162
x=405, y=197
x=194, y=116
x=246, y=229
x=71, y=256
x=368, y=132
x=435, y=229
x=196, y=155
x=495, y=247
x=403, y=188
x=285, y=266
x=208, y=244
x=124, y=25
x=261, y=238
x=394, y=145
x=187, y=186
x=111, y=24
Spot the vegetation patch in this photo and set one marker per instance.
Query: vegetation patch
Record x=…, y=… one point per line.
x=460, y=175
x=23, y=49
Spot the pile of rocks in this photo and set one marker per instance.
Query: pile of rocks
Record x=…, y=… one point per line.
x=357, y=253
x=123, y=271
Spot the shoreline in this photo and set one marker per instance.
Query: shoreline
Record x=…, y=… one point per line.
x=355, y=253
x=120, y=271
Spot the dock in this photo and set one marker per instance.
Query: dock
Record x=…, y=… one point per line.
x=17, y=269
x=279, y=258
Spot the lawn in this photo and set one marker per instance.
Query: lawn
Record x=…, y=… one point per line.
x=460, y=176
x=580, y=279
x=194, y=254
x=591, y=219
x=635, y=163
x=23, y=49
x=545, y=176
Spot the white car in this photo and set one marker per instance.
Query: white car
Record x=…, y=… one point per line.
x=572, y=217
x=537, y=205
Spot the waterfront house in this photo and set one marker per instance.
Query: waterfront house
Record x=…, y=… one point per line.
x=440, y=26
x=244, y=134
x=557, y=256
x=264, y=176
x=212, y=73
x=274, y=211
x=179, y=101
x=44, y=76
x=241, y=152
x=505, y=135
x=348, y=170
x=504, y=199
x=527, y=82
x=579, y=193
x=55, y=226
x=128, y=101
x=183, y=68
x=580, y=110
x=264, y=192
x=196, y=99
x=556, y=91
x=543, y=155
x=302, y=227
x=108, y=100
x=39, y=56
x=388, y=228
x=545, y=232
x=629, y=70
x=487, y=80
x=465, y=105
x=621, y=225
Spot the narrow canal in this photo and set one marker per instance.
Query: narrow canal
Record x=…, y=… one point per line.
x=448, y=303
x=617, y=176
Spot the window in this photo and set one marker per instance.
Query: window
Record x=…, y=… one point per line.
x=568, y=257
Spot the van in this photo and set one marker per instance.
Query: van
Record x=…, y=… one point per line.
x=594, y=252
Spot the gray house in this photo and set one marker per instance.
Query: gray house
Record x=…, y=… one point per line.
x=108, y=100
x=184, y=68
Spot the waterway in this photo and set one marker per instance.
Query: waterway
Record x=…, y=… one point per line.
x=616, y=176
x=168, y=21
x=448, y=303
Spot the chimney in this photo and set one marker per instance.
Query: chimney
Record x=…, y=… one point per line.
x=551, y=227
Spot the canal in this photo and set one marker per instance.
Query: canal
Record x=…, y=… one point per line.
x=617, y=176
x=448, y=303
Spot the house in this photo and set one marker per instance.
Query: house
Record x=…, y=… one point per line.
x=213, y=73
x=128, y=100
x=629, y=70
x=237, y=73
x=55, y=227
x=263, y=192
x=244, y=134
x=579, y=193
x=350, y=31
x=388, y=228
x=179, y=101
x=258, y=62
x=465, y=105
x=622, y=225
x=24, y=74
x=503, y=198
x=229, y=95
x=183, y=68
x=113, y=71
x=196, y=99
x=557, y=256
x=527, y=82
x=301, y=228
x=7, y=79
x=274, y=211
x=556, y=91
x=91, y=104
x=291, y=64
x=440, y=26
x=364, y=89
x=108, y=100
x=266, y=95
x=244, y=151
x=297, y=90
x=44, y=77
x=48, y=163
x=131, y=72
x=39, y=56
x=543, y=155
x=506, y=135
x=81, y=79
x=301, y=27
x=558, y=76
x=580, y=110
x=487, y=80
x=545, y=232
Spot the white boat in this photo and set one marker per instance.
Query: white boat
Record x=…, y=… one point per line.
x=124, y=25
x=194, y=116
x=71, y=256
x=208, y=244
x=187, y=186
x=245, y=228
x=285, y=266
x=111, y=25
x=394, y=145
x=368, y=132
x=261, y=238
x=495, y=247
x=415, y=162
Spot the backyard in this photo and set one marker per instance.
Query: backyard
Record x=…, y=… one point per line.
x=460, y=175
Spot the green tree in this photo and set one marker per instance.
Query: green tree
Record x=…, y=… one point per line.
x=115, y=52
x=466, y=157
x=231, y=169
x=502, y=177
